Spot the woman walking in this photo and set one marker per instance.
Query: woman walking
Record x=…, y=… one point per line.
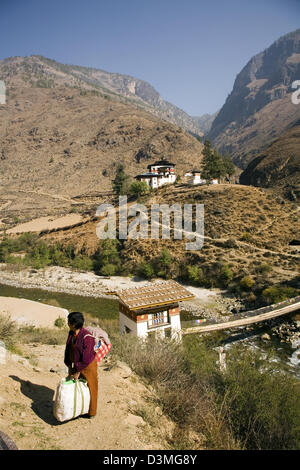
x=80, y=357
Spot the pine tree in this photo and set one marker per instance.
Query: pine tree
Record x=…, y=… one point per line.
x=212, y=163
x=120, y=183
x=228, y=165
x=207, y=162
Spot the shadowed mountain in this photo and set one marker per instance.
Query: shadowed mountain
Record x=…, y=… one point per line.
x=278, y=166
x=260, y=107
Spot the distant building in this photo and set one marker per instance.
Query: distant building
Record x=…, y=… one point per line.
x=214, y=181
x=159, y=173
x=152, y=309
x=194, y=177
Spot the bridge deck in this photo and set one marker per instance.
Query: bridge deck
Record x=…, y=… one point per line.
x=243, y=321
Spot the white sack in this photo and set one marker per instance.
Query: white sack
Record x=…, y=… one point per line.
x=72, y=399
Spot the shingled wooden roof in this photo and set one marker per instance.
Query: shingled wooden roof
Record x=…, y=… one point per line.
x=158, y=293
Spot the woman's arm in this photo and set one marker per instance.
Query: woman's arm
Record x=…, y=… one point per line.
x=88, y=353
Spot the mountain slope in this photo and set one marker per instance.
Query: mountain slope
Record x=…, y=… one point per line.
x=205, y=121
x=63, y=142
x=278, y=166
x=259, y=107
x=39, y=71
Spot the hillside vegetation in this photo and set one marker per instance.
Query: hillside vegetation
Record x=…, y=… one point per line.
x=247, y=245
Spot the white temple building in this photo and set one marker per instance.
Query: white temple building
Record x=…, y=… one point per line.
x=159, y=173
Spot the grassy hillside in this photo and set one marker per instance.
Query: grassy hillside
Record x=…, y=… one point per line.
x=247, y=248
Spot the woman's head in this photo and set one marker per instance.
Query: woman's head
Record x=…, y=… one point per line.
x=75, y=320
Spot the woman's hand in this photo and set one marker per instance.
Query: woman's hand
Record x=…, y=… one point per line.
x=75, y=376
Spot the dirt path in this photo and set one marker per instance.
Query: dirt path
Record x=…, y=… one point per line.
x=26, y=401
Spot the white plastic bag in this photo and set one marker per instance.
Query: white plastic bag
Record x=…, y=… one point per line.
x=72, y=399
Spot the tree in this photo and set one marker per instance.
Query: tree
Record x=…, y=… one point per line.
x=165, y=261
x=194, y=274
x=218, y=165
x=138, y=188
x=106, y=259
x=226, y=274
x=121, y=181
x=207, y=160
x=212, y=163
x=147, y=270
x=228, y=165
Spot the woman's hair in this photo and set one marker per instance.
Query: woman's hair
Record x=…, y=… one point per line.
x=76, y=319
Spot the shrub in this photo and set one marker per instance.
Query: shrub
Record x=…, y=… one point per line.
x=164, y=262
x=83, y=263
x=246, y=237
x=186, y=401
x=138, y=188
x=226, y=274
x=265, y=268
x=194, y=274
x=146, y=270
x=250, y=405
x=247, y=282
x=60, y=322
x=275, y=294
x=8, y=330
x=108, y=270
x=107, y=257
x=264, y=404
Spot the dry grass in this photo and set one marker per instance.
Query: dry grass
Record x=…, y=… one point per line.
x=190, y=404
x=8, y=329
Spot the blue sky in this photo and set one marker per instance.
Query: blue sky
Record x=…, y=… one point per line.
x=189, y=50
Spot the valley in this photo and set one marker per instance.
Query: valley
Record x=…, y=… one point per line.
x=73, y=138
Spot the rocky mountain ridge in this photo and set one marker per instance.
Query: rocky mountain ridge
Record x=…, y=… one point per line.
x=39, y=71
x=260, y=107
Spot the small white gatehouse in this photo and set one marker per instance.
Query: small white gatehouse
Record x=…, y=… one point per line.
x=152, y=309
x=194, y=177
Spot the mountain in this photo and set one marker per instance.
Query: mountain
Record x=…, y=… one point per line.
x=278, y=166
x=60, y=139
x=39, y=71
x=260, y=107
x=205, y=121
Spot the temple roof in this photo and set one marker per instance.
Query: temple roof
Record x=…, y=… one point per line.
x=158, y=293
x=161, y=162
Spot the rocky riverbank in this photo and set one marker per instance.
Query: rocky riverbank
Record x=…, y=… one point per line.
x=288, y=332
